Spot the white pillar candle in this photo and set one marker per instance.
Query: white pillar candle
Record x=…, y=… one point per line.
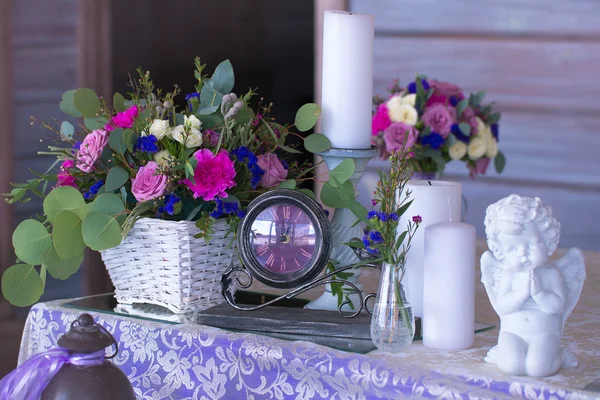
x=449, y=286
x=435, y=201
x=347, y=80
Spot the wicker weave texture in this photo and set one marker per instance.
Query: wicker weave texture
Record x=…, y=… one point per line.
x=160, y=262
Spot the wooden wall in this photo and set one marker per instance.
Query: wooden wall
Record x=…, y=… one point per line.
x=539, y=61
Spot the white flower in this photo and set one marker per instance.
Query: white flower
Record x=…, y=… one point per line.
x=409, y=99
x=192, y=122
x=483, y=130
x=401, y=112
x=492, y=148
x=160, y=128
x=458, y=150
x=477, y=148
x=162, y=158
x=190, y=137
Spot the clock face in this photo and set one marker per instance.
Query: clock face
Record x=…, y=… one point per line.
x=284, y=239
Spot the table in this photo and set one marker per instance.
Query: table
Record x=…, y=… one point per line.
x=189, y=361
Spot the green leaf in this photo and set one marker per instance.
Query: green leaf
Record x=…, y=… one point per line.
x=208, y=110
x=499, y=162
x=244, y=116
x=22, y=286
x=67, y=129
x=59, y=268
x=309, y=193
x=107, y=203
x=400, y=240
x=465, y=128
x=493, y=118
x=400, y=212
x=317, y=143
x=115, y=141
x=307, y=116
x=31, y=241
x=116, y=178
x=66, y=235
x=101, y=231
x=342, y=172
x=62, y=198
x=129, y=139
x=66, y=105
x=223, y=79
x=461, y=106
x=95, y=123
x=86, y=101
x=349, y=197
x=331, y=197
x=119, y=102
x=451, y=140
x=210, y=121
x=209, y=96
x=287, y=184
x=289, y=149
x=84, y=210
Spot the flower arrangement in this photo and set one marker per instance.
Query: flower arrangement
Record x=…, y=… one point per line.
x=147, y=156
x=438, y=123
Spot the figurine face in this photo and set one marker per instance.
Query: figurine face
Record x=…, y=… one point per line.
x=521, y=246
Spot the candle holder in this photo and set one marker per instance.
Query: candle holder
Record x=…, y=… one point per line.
x=342, y=229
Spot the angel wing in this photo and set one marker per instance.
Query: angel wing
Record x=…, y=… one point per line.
x=491, y=269
x=572, y=267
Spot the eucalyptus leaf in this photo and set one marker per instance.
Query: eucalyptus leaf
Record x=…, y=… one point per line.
x=86, y=101
x=244, y=116
x=493, y=118
x=331, y=197
x=465, y=128
x=462, y=106
x=309, y=193
x=116, y=178
x=66, y=105
x=115, y=141
x=208, y=110
x=223, y=79
x=209, y=96
x=451, y=139
x=95, y=123
x=67, y=129
x=287, y=184
x=59, y=268
x=307, y=116
x=22, y=286
x=84, y=210
x=101, y=231
x=129, y=139
x=317, y=143
x=210, y=121
x=499, y=162
x=108, y=203
x=119, y=102
x=62, y=198
x=342, y=172
x=31, y=241
x=66, y=235
x=289, y=149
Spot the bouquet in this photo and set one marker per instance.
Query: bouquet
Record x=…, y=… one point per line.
x=438, y=123
x=152, y=154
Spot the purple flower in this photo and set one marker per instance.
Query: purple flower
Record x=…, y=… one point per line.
x=417, y=219
x=394, y=217
x=383, y=217
x=438, y=118
x=372, y=214
x=376, y=237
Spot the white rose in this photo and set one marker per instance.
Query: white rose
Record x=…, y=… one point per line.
x=483, y=130
x=402, y=112
x=477, y=148
x=162, y=158
x=409, y=99
x=192, y=138
x=492, y=148
x=160, y=128
x=192, y=122
x=458, y=150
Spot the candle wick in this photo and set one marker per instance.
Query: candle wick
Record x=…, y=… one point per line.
x=429, y=183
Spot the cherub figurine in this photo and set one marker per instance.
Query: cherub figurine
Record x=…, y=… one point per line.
x=532, y=296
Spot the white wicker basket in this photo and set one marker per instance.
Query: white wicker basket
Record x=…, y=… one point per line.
x=160, y=262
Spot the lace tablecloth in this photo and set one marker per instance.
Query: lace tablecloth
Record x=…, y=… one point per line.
x=198, y=362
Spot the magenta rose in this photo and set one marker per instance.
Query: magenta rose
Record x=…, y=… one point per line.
x=445, y=89
x=381, y=120
x=439, y=119
x=91, y=149
x=274, y=174
x=148, y=184
x=123, y=119
x=480, y=167
x=64, y=177
x=213, y=175
x=400, y=136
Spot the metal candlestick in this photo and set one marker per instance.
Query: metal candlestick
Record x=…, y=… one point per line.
x=342, y=229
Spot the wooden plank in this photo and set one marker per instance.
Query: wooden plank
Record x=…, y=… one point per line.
x=557, y=77
x=43, y=23
x=557, y=18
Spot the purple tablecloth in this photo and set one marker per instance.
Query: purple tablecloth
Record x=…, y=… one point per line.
x=189, y=361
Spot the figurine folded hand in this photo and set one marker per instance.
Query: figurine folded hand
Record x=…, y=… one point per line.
x=536, y=284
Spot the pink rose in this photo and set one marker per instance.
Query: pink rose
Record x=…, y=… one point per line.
x=91, y=149
x=148, y=184
x=274, y=171
x=470, y=118
x=446, y=89
x=123, y=119
x=400, y=136
x=439, y=119
x=213, y=175
x=381, y=120
x=64, y=178
x=480, y=167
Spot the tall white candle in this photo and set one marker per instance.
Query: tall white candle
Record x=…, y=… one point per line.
x=347, y=80
x=434, y=201
x=449, y=286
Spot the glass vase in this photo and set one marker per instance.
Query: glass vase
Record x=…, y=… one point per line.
x=392, y=323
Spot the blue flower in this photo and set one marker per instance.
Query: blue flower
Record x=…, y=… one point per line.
x=458, y=134
x=231, y=207
x=369, y=246
x=243, y=154
x=383, y=217
x=285, y=164
x=494, y=128
x=169, y=206
x=189, y=99
x=376, y=237
x=146, y=144
x=372, y=214
x=412, y=87
x=226, y=208
x=454, y=101
x=394, y=217
x=241, y=214
x=91, y=193
x=433, y=140
x=76, y=147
